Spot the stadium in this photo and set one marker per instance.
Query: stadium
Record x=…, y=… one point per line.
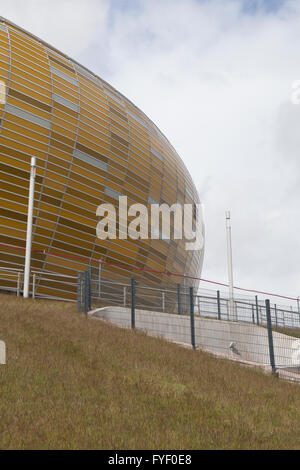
x=91, y=145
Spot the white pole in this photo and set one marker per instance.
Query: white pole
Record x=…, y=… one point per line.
x=29, y=228
x=232, y=313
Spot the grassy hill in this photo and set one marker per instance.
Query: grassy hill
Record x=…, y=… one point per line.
x=72, y=382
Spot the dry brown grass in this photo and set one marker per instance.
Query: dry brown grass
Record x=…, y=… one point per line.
x=72, y=382
x=288, y=331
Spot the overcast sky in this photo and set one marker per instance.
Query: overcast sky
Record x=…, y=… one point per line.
x=216, y=77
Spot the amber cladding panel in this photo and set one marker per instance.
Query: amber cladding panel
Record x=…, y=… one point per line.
x=91, y=143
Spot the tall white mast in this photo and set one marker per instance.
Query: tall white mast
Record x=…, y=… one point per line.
x=232, y=311
x=29, y=228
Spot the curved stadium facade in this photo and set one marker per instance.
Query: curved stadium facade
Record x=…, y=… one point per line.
x=91, y=145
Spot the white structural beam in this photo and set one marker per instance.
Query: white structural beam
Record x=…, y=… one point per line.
x=29, y=228
x=232, y=309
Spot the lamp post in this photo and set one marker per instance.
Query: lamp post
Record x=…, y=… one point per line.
x=29, y=228
x=232, y=313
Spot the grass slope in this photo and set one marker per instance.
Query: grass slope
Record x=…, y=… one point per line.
x=288, y=331
x=72, y=382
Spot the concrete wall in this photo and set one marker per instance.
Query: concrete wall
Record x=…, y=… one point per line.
x=237, y=340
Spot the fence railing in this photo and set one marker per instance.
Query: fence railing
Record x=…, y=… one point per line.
x=101, y=291
x=64, y=286
x=93, y=292
x=233, y=338
x=254, y=331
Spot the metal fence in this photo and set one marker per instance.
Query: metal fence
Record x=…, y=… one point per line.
x=254, y=331
x=251, y=336
x=63, y=286
x=97, y=291
x=93, y=292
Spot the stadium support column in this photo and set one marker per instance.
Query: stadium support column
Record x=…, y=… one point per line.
x=29, y=228
x=232, y=311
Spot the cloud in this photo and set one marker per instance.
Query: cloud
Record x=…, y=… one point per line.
x=216, y=78
x=217, y=81
x=69, y=25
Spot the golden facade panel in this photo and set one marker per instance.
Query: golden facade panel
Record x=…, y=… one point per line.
x=91, y=144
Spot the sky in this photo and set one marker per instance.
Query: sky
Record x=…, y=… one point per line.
x=216, y=77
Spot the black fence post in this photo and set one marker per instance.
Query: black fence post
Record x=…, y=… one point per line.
x=90, y=287
x=99, y=282
x=179, y=298
x=253, y=318
x=270, y=336
x=257, y=313
x=132, y=302
x=219, y=305
x=79, y=291
x=192, y=317
x=276, y=319
x=87, y=291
